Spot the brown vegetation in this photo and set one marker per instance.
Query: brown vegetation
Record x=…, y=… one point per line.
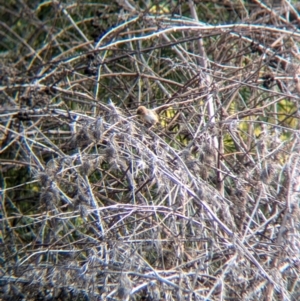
x=95, y=204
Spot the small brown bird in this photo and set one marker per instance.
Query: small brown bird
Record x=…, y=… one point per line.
x=147, y=115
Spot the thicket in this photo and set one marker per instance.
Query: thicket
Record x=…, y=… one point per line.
x=96, y=205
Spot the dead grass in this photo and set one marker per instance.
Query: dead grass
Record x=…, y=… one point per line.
x=98, y=206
